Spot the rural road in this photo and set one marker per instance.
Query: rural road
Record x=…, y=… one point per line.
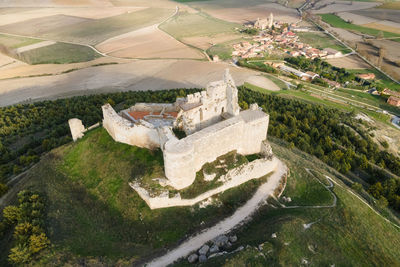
x=137, y=75
x=240, y=216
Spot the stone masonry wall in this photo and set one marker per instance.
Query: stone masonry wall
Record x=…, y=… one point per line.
x=124, y=131
x=244, y=133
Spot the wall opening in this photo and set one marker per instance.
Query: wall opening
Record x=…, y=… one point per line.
x=222, y=110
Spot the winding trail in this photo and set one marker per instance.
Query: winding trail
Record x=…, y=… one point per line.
x=328, y=187
x=238, y=218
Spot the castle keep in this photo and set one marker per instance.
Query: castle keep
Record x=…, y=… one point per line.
x=211, y=119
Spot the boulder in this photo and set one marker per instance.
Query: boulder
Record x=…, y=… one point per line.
x=228, y=245
x=202, y=258
x=233, y=238
x=193, y=258
x=203, y=250
x=273, y=235
x=221, y=240
x=214, y=249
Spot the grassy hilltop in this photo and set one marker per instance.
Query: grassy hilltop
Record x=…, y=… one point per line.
x=92, y=211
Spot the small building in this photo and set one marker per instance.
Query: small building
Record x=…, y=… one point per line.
x=394, y=101
x=366, y=76
x=312, y=75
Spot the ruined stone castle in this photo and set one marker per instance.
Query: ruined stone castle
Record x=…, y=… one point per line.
x=211, y=119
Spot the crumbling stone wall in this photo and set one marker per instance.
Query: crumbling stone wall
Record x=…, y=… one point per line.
x=244, y=133
x=124, y=131
x=77, y=128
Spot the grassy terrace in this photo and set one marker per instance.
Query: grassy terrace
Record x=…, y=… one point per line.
x=93, y=212
x=337, y=22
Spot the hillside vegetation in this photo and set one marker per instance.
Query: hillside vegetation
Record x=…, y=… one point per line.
x=346, y=234
x=93, y=212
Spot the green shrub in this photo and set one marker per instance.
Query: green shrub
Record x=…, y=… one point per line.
x=12, y=214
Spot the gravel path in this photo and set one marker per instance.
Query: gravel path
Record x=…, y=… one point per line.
x=241, y=215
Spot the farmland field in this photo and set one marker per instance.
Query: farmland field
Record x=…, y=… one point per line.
x=39, y=26
x=95, y=31
x=321, y=41
x=240, y=11
x=349, y=62
x=381, y=14
x=59, y=53
x=199, y=24
x=336, y=21
x=149, y=42
x=13, y=42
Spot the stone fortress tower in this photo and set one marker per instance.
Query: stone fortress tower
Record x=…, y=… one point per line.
x=211, y=119
x=263, y=24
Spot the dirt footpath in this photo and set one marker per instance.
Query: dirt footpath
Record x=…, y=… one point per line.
x=226, y=225
x=136, y=75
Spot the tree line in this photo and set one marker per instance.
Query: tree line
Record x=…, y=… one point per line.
x=332, y=136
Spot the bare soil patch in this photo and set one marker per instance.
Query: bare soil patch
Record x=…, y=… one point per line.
x=82, y=12
x=249, y=13
x=205, y=42
x=356, y=19
x=136, y=75
x=380, y=14
x=7, y=62
x=53, y=3
x=349, y=62
x=24, y=70
x=149, y=42
x=262, y=82
x=34, y=46
x=39, y=26
x=329, y=6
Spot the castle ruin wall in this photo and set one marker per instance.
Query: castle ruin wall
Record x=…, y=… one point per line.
x=244, y=133
x=124, y=131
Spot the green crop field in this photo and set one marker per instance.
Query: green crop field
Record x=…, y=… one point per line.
x=95, y=31
x=199, y=24
x=93, y=212
x=59, y=53
x=321, y=41
x=336, y=21
x=13, y=42
x=348, y=234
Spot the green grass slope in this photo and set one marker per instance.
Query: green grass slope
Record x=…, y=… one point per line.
x=350, y=234
x=59, y=53
x=93, y=213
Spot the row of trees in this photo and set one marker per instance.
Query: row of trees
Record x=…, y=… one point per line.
x=326, y=70
x=27, y=219
x=329, y=134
